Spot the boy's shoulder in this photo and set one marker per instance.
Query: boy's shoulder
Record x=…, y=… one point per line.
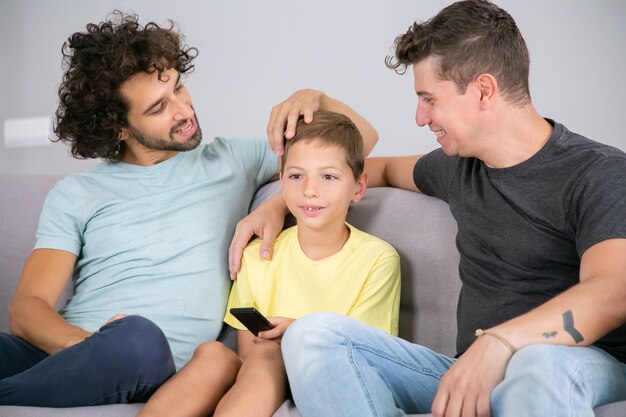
x=371, y=243
x=252, y=249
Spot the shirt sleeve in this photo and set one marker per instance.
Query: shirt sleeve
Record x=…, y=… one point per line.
x=62, y=220
x=241, y=292
x=254, y=157
x=433, y=172
x=379, y=302
x=599, y=204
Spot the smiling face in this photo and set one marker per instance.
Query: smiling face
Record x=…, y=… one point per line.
x=161, y=116
x=318, y=185
x=451, y=116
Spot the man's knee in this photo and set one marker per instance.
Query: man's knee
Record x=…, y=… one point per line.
x=535, y=361
x=140, y=345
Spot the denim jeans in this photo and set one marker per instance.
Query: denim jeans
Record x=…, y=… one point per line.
x=125, y=361
x=338, y=366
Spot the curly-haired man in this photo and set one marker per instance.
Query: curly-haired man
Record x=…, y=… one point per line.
x=143, y=236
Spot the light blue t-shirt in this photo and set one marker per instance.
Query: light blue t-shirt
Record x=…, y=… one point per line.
x=154, y=240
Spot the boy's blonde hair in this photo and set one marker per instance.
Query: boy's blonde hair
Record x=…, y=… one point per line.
x=330, y=128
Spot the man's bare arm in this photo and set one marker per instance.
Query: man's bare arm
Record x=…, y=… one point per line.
x=577, y=317
x=394, y=171
x=32, y=313
x=585, y=312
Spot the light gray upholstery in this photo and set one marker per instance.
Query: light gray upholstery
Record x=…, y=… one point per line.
x=421, y=229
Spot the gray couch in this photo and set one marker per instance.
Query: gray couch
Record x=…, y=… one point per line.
x=421, y=228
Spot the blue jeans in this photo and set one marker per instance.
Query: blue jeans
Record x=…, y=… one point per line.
x=338, y=366
x=124, y=362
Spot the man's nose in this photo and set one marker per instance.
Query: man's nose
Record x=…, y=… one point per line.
x=422, y=115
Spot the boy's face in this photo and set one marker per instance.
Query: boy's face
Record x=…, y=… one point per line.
x=161, y=116
x=318, y=185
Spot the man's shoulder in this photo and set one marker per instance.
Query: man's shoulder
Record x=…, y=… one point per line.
x=585, y=147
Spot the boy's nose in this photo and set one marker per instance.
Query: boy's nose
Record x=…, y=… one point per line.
x=310, y=189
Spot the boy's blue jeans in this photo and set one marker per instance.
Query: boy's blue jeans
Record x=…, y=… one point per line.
x=124, y=362
x=338, y=366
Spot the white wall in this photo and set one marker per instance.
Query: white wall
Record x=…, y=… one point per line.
x=255, y=53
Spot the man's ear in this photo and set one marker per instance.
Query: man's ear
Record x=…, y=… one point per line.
x=360, y=188
x=488, y=86
x=124, y=134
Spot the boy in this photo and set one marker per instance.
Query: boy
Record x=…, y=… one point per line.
x=322, y=264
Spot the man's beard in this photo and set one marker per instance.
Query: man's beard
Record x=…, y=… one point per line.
x=159, y=144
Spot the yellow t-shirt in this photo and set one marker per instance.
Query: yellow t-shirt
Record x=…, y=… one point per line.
x=362, y=281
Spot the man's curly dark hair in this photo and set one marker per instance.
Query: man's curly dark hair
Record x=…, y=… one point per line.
x=92, y=110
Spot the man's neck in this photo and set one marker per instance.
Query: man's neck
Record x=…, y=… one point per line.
x=140, y=155
x=515, y=137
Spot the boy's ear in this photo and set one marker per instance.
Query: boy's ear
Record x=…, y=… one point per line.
x=360, y=188
x=280, y=180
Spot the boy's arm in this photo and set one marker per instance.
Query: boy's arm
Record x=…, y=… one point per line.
x=284, y=116
x=392, y=172
x=32, y=314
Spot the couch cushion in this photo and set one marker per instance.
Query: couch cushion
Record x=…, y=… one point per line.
x=20, y=205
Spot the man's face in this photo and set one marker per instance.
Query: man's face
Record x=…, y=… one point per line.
x=449, y=115
x=318, y=185
x=161, y=116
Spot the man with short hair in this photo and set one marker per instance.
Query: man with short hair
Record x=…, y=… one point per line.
x=541, y=235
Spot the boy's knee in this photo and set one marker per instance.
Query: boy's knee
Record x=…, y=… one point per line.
x=214, y=352
x=314, y=330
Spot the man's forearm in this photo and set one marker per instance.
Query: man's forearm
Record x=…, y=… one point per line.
x=577, y=317
x=369, y=134
x=36, y=322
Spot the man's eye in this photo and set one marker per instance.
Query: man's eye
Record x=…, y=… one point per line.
x=160, y=108
x=178, y=87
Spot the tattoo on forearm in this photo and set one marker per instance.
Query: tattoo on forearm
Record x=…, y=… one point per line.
x=549, y=335
x=568, y=325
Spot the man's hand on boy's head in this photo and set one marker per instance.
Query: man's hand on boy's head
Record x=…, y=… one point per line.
x=284, y=116
x=276, y=334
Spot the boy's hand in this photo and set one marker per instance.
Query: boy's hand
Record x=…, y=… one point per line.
x=284, y=116
x=275, y=334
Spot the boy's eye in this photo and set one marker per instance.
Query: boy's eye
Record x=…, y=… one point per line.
x=329, y=177
x=178, y=87
x=294, y=176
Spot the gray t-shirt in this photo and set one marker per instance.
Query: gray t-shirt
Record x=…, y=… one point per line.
x=153, y=240
x=523, y=229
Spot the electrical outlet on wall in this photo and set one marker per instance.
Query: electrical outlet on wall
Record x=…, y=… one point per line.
x=27, y=132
